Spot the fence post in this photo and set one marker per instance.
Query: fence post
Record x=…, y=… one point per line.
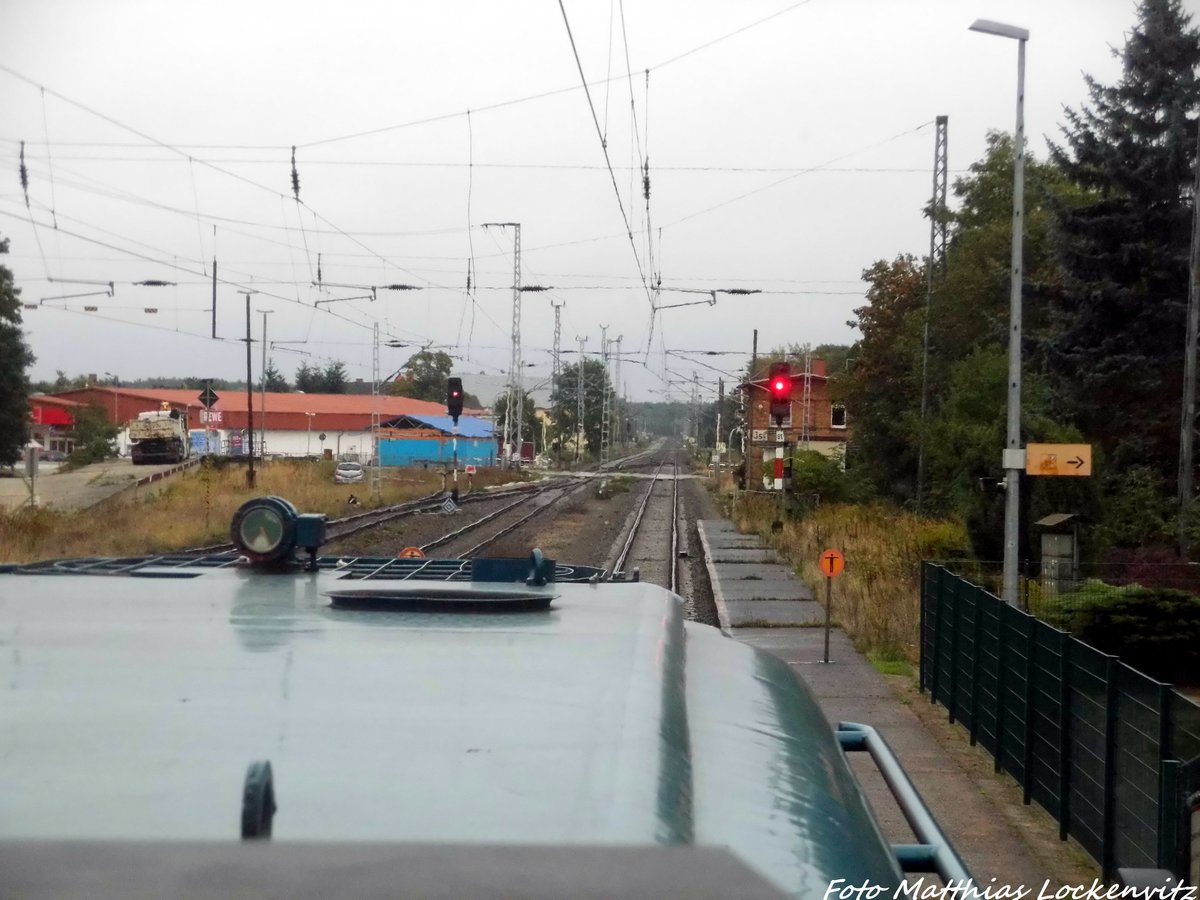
x=927, y=576
x=1108, y=855
x=936, y=662
x=1001, y=664
x=1170, y=817
x=955, y=625
x=1027, y=759
x=1169, y=814
x=976, y=655
x=1064, y=735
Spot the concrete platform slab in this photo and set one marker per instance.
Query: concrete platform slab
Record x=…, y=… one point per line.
x=718, y=555
x=754, y=572
x=734, y=541
x=765, y=589
x=777, y=613
x=716, y=526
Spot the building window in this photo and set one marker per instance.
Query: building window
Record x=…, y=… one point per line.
x=837, y=416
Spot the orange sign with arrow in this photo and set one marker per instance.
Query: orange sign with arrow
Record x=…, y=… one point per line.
x=1058, y=459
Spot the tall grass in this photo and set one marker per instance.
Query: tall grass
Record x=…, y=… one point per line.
x=195, y=508
x=876, y=600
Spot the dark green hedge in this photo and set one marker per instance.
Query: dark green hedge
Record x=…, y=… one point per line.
x=1153, y=630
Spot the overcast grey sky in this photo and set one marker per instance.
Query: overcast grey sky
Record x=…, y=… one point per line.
x=785, y=156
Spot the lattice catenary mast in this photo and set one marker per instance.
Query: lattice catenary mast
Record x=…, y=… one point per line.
x=604, y=403
x=936, y=265
x=556, y=371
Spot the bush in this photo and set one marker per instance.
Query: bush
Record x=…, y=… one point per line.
x=1153, y=630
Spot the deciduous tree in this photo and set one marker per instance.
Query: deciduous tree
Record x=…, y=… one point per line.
x=424, y=376
x=15, y=360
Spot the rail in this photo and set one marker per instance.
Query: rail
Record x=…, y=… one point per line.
x=623, y=556
x=471, y=526
x=672, y=579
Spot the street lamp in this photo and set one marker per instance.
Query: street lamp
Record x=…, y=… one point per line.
x=1013, y=457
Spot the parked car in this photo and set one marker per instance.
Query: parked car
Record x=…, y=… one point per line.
x=348, y=473
x=52, y=456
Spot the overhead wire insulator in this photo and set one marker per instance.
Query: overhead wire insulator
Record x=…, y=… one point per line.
x=24, y=176
x=646, y=179
x=296, y=179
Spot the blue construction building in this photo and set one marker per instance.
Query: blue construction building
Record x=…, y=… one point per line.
x=417, y=440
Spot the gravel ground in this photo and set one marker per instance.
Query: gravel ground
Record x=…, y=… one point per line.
x=695, y=503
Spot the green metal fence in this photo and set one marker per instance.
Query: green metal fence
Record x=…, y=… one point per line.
x=1105, y=749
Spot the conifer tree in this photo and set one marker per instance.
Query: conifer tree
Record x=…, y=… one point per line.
x=1119, y=351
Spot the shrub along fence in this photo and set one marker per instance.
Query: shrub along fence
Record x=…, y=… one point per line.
x=1112, y=754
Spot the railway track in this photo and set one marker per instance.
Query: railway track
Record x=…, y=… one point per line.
x=537, y=502
x=349, y=526
x=651, y=545
x=461, y=542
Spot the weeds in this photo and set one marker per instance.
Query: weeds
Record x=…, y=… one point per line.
x=877, y=598
x=195, y=508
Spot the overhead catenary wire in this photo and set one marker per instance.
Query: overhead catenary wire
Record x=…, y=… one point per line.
x=164, y=145
x=452, y=164
x=472, y=278
x=647, y=248
x=604, y=147
x=542, y=95
x=787, y=178
x=221, y=280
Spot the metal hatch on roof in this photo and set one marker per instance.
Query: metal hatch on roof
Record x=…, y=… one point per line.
x=442, y=596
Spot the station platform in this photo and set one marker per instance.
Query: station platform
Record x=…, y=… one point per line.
x=762, y=602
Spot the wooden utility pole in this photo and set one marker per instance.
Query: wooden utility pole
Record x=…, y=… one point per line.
x=1187, y=429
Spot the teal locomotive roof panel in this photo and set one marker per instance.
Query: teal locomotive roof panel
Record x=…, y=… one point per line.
x=135, y=704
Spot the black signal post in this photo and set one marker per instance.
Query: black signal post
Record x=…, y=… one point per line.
x=779, y=387
x=454, y=406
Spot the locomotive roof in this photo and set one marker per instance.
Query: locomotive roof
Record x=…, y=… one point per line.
x=135, y=704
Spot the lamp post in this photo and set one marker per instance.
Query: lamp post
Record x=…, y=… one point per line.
x=1014, y=456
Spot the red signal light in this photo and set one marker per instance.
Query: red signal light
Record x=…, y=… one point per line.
x=779, y=386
